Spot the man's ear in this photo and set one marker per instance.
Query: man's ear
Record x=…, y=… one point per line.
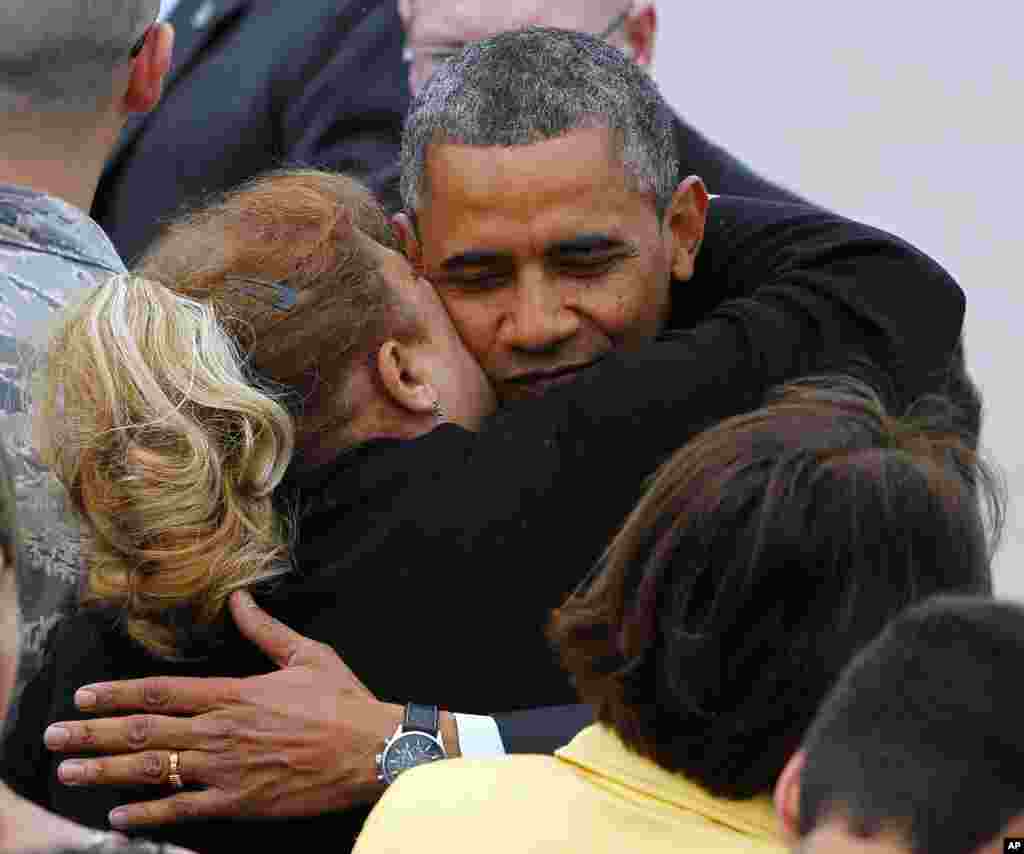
x=403, y=225
x=787, y=796
x=685, y=220
x=405, y=13
x=149, y=69
x=403, y=377
x=641, y=29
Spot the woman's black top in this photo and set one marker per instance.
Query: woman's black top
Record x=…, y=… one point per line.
x=432, y=565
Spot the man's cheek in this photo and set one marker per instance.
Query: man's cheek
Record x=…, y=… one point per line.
x=626, y=318
x=479, y=337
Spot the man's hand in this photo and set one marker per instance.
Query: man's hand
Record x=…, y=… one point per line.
x=300, y=741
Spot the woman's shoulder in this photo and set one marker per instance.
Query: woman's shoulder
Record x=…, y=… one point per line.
x=75, y=654
x=87, y=645
x=86, y=637
x=81, y=647
x=92, y=644
x=376, y=469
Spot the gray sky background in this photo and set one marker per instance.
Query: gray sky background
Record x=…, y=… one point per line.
x=902, y=114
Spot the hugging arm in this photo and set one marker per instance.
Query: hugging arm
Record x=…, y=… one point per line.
x=803, y=293
x=312, y=714
x=232, y=735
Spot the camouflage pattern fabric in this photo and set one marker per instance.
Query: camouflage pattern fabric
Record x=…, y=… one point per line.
x=49, y=252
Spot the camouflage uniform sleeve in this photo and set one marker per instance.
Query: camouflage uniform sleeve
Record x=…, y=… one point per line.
x=50, y=253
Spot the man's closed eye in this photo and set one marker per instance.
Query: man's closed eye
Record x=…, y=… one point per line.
x=590, y=267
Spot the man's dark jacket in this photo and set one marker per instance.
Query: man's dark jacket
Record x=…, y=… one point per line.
x=254, y=85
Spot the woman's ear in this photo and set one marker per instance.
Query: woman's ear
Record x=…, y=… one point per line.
x=149, y=69
x=787, y=796
x=685, y=220
x=405, y=228
x=404, y=378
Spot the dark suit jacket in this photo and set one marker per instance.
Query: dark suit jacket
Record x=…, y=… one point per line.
x=432, y=565
x=262, y=83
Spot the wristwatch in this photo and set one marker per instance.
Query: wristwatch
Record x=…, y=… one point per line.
x=416, y=742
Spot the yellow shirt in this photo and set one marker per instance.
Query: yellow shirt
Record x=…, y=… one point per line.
x=594, y=795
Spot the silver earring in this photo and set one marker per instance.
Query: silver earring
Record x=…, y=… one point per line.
x=437, y=410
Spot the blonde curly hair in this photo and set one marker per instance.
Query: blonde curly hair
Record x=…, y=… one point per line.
x=173, y=400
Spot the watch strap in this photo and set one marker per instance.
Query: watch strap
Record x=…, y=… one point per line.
x=421, y=718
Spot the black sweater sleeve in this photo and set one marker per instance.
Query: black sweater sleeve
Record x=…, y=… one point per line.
x=792, y=291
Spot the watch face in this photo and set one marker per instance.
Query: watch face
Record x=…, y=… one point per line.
x=408, y=751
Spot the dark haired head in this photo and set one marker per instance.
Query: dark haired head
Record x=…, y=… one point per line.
x=765, y=553
x=922, y=733
x=525, y=86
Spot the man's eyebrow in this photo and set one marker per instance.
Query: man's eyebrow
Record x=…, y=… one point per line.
x=472, y=259
x=584, y=244
x=454, y=47
x=581, y=244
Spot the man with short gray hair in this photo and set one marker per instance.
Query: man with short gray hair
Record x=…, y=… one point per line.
x=541, y=196
x=436, y=30
x=471, y=103
x=71, y=72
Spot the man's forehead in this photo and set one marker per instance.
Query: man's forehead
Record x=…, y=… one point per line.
x=458, y=21
x=579, y=168
x=574, y=155
x=528, y=199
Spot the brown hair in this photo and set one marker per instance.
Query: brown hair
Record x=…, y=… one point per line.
x=764, y=554
x=173, y=401
x=296, y=227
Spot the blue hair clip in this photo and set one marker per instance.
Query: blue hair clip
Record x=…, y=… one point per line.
x=284, y=298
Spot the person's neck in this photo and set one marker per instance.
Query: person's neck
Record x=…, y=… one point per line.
x=376, y=416
x=329, y=448
x=60, y=158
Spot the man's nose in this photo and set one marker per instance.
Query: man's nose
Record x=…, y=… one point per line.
x=541, y=321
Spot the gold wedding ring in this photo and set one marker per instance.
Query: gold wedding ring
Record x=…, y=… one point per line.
x=174, y=777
